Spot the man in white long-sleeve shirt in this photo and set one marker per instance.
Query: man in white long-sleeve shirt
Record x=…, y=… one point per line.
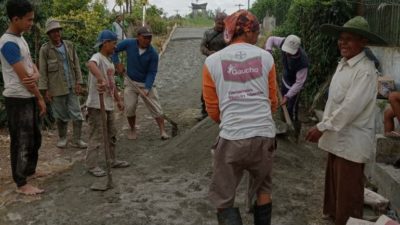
x=346, y=131
x=295, y=70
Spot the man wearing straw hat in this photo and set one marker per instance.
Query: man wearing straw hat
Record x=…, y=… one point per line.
x=239, y=89
x=61, y=79
x=346, y=131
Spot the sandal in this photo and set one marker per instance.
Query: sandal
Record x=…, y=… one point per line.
x=119, y=164
x=97, y=172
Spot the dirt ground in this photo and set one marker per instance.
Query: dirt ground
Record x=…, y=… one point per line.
x=167, y=181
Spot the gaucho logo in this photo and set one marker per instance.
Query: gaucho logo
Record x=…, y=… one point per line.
x=242, y=71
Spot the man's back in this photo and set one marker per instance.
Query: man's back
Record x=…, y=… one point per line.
x=240, y=74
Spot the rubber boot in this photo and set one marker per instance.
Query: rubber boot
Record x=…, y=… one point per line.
x=77, y=135
x=62, y=128
x=229, y=216
x=262, y=214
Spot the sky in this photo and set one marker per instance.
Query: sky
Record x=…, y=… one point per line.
x=170, y=6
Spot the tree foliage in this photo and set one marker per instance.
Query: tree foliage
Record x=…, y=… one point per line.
x=277, y=8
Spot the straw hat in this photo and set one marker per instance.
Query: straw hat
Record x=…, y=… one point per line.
x=357, y=25
x=52, y=24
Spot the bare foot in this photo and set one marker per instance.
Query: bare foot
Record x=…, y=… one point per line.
x=28, y=189
x=132, y=135
x=392, y=134
x=164, y=135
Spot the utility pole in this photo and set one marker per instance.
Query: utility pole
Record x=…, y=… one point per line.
x=248, y=4
x=177, y=12
x=239, y=5
x=360, y=7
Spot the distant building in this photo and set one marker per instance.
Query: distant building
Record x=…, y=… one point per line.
x=199, y=9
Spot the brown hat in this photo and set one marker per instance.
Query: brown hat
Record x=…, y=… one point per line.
x=52, y=24
x=144, y=31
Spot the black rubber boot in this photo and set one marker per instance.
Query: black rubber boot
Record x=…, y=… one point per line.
x=229, y=216
x=262, y=214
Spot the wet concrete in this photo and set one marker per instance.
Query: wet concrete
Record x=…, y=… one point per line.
x=167, y=182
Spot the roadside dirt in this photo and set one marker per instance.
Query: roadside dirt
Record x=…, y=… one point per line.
x=167, y=181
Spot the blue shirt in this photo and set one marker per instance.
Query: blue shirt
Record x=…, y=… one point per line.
x=11, y=52
x=67, y=75
x=140, y=68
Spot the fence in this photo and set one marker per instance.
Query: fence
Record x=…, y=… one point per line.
x=384, y=18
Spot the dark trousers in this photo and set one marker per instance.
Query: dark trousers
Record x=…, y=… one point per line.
x=344, y=189
x=292, y=103
x=23, y=126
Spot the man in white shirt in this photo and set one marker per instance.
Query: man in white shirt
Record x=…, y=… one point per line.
x=239, y=89
x=346, y=131
x=118, y=27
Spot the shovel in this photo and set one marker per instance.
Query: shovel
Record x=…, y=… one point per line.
x=156, y=108
x=109, y=185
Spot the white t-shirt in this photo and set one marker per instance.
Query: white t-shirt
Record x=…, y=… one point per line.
x=108, y=70
x=12, y=84
x=119, y=31
x=240, y=74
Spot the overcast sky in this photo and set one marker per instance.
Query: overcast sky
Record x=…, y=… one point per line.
x=170, y=6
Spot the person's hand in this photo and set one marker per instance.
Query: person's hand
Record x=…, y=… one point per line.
x=78, y=89
x=35, y=75
x=29, y=82
x=101, y=86
x=120, y=105
x=313, y=135
x=284, y=100
x=120, y=68
x=146, y=92
x=47, y=96
x=42, y=106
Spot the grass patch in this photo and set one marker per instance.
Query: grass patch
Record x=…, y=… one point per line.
x=198, y=22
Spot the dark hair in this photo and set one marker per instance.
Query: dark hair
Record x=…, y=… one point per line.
x=18, y=8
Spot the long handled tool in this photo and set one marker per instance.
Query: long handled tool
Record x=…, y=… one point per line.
x=286, y=113
x=156, y=108
x=109, y=185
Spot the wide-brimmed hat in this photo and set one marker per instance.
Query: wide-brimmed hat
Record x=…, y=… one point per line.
x=52, y=24
x=105, y=35
x=357, y=25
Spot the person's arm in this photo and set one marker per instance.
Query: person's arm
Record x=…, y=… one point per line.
x=94, y=69
x=152, y=72
x=44, y=79
x=210, y=96
x=121, y=46
x=12, y=54
x=77, y=70
x=357, y=98
x=118, y=99
x=301, y=77
x=203, y=46
x=273, y=41
x=272, y=86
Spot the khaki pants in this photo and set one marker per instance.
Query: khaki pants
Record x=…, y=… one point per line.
x=131, y=99
x=96, y=143
x=231, y=158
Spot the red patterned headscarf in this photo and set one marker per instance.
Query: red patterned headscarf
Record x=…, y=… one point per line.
x=239, y=23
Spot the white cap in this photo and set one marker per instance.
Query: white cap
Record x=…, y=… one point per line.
x=291, y=44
